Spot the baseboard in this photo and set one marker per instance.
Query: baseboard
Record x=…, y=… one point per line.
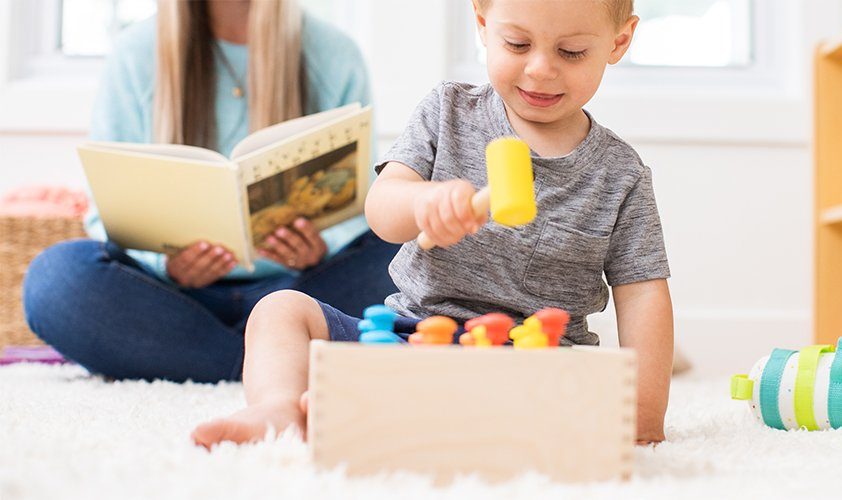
x=725, y=342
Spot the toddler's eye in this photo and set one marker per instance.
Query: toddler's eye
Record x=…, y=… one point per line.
x=573, y=55
x=517, y=47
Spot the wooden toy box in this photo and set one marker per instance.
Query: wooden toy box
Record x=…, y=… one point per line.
x=568, y=413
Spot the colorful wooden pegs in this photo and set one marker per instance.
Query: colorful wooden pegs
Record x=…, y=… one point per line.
x=487, y=330
x=544, y=328
x=434, y=330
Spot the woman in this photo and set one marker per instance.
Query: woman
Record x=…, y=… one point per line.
x=205, y=73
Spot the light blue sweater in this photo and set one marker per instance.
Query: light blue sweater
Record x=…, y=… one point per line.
x=335, y=76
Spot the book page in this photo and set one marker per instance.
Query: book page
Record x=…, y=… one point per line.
x=168, y=150
x=322, y=175
x=270, y=135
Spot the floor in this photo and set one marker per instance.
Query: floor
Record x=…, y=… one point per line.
x=65, y=434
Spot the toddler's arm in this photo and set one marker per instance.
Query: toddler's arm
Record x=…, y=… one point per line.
x=644, y=322
x=401, y=204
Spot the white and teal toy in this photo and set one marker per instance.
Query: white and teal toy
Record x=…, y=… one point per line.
x=795, y=390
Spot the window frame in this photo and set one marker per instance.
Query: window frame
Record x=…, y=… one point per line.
x=43, y=91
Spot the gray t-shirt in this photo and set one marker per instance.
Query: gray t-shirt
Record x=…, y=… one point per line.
x=596, y=214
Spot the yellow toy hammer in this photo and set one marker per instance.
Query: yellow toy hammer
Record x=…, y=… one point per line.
x=510, y=192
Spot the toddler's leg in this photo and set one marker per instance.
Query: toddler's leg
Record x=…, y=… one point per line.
x=277, y=340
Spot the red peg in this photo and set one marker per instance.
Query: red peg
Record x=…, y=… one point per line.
x=553, y=323
x=496, y=324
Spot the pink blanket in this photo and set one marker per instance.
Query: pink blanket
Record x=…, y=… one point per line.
x=44, y=201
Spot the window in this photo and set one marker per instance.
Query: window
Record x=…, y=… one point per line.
x=88, y=26
x=51, y=54
x=753, y=52
x=700, y=33
x=703, y=34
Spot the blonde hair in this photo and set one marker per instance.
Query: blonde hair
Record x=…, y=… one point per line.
x=185, y=86
x=620, y=10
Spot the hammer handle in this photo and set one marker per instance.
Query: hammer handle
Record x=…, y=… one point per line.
x=481, y=201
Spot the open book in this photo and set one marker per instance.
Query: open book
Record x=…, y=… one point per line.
x=163, y=197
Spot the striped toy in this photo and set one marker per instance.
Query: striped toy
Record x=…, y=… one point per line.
x=794, y=390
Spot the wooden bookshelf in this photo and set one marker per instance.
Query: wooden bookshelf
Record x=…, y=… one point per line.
x=828, y=192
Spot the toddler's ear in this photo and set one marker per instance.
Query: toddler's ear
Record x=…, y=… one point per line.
x=480, y=18
x=623, y=39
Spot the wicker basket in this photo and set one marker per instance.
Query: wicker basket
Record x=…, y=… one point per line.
x=21, y=239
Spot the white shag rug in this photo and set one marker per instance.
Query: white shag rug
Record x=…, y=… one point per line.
x=64, y=434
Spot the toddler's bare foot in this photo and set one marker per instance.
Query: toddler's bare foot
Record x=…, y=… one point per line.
x=249, y=424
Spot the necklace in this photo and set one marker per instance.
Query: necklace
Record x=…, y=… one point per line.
x=238, y=90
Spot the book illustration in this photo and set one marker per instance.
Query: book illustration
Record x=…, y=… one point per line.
x=314, y=189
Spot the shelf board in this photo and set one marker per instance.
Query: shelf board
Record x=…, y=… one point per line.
x=831, y=216
x=832, y=49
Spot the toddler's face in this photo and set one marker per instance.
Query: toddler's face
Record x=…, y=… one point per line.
x=546, y=58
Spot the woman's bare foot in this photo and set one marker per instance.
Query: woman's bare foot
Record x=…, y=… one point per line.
x=249, y=424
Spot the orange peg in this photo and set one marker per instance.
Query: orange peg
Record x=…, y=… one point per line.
x=497, y=326
x=434, y=330
x=553, y=323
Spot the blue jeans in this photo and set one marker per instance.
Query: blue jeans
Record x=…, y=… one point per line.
x=98, y=307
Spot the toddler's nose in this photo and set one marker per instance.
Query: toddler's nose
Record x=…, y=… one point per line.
x=541, y=67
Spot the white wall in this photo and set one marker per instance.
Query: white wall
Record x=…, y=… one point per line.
x=27, y=158
x=733, y=179
x=738, y=226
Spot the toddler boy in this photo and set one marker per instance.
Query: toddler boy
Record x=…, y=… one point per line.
x=596, y=214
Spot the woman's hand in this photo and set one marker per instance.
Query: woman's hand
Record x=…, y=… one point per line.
x=200, y=264
x=297, y=247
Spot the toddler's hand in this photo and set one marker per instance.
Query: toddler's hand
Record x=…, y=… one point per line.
x=445, y=212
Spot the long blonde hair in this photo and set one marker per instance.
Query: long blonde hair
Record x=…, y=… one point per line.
x=185, y=86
